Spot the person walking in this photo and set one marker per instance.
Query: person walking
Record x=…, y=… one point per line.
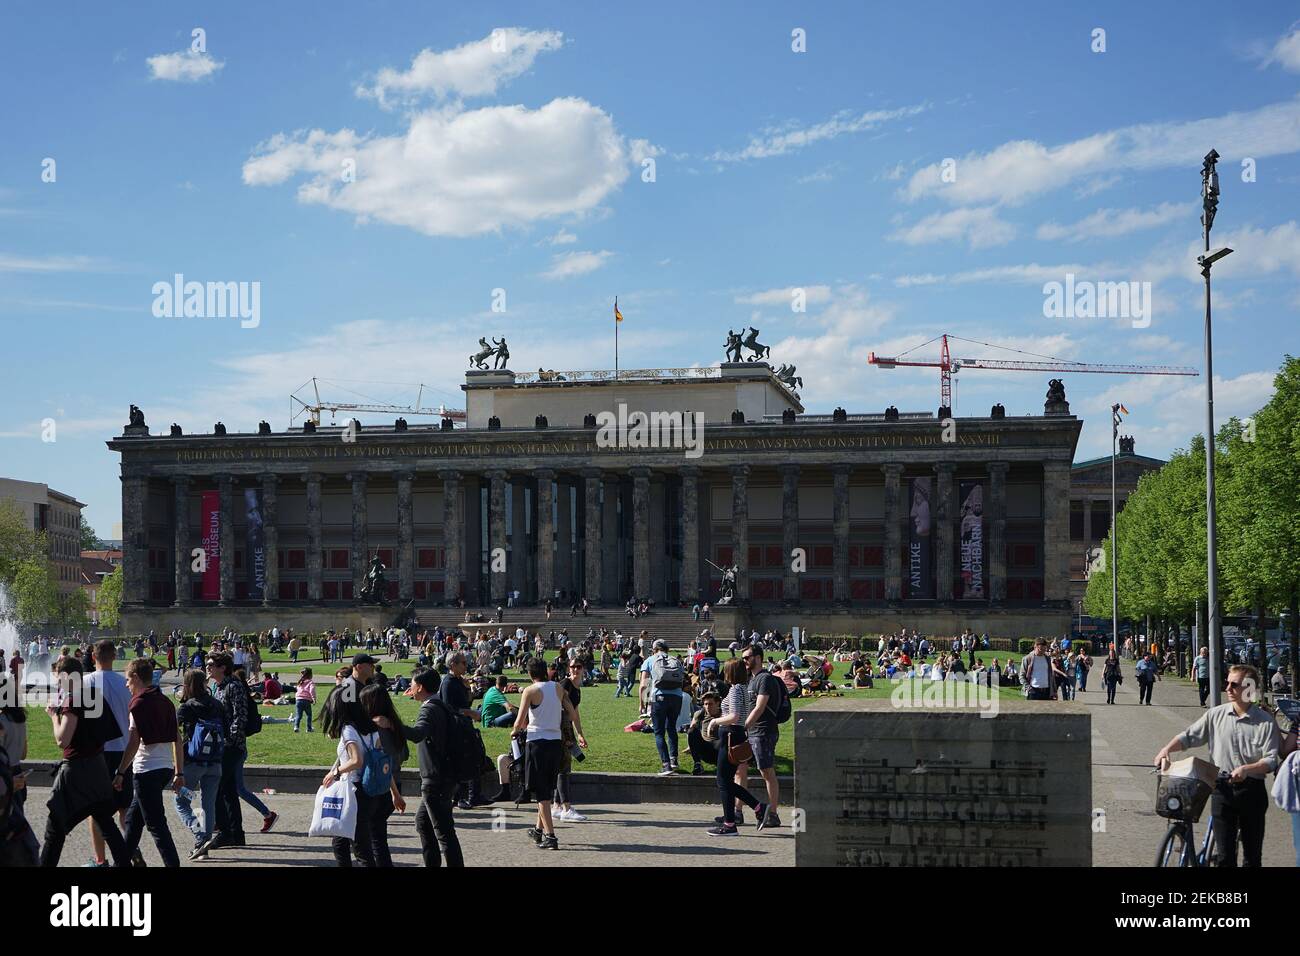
x=454, y=692
x=728, y=731
x=202, y=722
x=81, y=787
x=1039, y=675
x=541, y=706
x=1244, y=744
x=1286, y=788
x=662, y=679
x=570, y=730
x=376, y=703
x=344, y=719
x=765, y=696
x=153, y=752
x=111, y=686
x=433, y=821
x=1082, y=664
x=232, y=694
x=1111, y=675
x=1201, y=671
x=304, y=696
x=1147, y=676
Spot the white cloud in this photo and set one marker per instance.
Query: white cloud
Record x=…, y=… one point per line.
x=979, y=227
x=1256, y=252
x=1106, y=223
x=561, y=238
x=777, y=141
x=1021, y=169
x=1286, y=51
x=570, y=264
x=10, y=263
x=813, y=295
x=1030, y=273
x=187, y=66
x=460, y=174
x=478, y=68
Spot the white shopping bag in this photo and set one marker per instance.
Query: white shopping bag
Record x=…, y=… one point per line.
x=335, y=814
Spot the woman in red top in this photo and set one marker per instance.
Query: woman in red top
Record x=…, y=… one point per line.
x=153, y=751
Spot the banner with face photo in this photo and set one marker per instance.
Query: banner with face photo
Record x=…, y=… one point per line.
x=255, y=543
x=210, y=515
x=920, y=573
x=971, y=541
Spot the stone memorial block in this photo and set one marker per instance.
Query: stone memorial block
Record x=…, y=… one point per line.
x=879, y=784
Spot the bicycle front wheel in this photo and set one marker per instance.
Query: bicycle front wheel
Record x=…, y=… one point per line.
x=1174, y=848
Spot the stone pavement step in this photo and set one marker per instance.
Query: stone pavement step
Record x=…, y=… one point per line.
x=645, y=835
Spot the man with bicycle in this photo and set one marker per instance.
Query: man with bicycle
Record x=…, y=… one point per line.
x=1244, y=743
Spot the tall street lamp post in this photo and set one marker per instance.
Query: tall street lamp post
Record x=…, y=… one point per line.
x=1210, y=203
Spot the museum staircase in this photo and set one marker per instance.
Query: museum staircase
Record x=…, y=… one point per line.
x=673, y=624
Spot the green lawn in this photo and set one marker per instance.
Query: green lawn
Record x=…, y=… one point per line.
x=603, y=720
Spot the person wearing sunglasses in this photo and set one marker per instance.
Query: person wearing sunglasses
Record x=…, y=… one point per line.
x=1244, y=743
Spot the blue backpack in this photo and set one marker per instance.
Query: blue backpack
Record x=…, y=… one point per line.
x=377, y=771
x=207, y=742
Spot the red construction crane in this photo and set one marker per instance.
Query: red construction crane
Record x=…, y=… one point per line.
x=1041, y=363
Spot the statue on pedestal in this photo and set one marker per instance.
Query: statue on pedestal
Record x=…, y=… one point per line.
x=727, y=592
x=137, y=417
x=373, y=591
x=752, y=343
x=479, y=358
x=733, y=346
x=502, y=353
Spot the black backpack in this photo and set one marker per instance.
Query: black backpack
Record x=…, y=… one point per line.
x=464, y=755
x=253, y=720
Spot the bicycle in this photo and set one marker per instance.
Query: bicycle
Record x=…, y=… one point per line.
x=1176, y=848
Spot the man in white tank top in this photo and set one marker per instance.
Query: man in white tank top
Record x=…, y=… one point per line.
x=540, y=708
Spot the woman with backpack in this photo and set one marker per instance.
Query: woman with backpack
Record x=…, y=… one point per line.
x=202, y=723
x=1111, y=675
x=392, y=738
x=345, y=720
x=728, y=731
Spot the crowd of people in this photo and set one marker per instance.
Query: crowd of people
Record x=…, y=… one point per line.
x=719, y=709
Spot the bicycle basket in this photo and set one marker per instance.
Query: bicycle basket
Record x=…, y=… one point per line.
x=1181, y=798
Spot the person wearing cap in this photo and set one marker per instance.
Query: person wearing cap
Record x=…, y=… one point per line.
x=703, y=750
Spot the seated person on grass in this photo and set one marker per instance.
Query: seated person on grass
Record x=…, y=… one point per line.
x=496, y=710
x=703, y=750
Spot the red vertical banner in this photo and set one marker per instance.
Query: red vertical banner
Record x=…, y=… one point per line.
x=211, y=525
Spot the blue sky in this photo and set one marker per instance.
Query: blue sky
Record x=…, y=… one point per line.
x=518, y=165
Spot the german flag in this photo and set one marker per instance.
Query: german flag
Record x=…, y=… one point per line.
x=618, y=316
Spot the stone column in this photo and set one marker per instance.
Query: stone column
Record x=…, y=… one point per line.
x=563, y=537
x=545, y=534
x=1056, y=530
x=518, y=538
x=840, y=525
x=640, y=531
x=271, y=540
x=181, y=541
x=944, y=512
x=405, y=535
x=360, y=554
x=135, y=543
x=893, y=533
x=592, y=552
x=226, y=537
x=996, y=559
x=690, y=533
x=789, y=533
x=740, y=530
x=497, y=536
x=452, y=535
x=611, y=571
x=1087, y=522
x=315, y=559
x=657, y=538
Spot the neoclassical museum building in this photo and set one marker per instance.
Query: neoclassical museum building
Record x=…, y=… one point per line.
x=843, y=523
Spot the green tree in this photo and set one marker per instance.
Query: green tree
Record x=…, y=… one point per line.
x=70, y=609
x=35, y=591
x=109, y=602
x=18, y=542
x=89, y=540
